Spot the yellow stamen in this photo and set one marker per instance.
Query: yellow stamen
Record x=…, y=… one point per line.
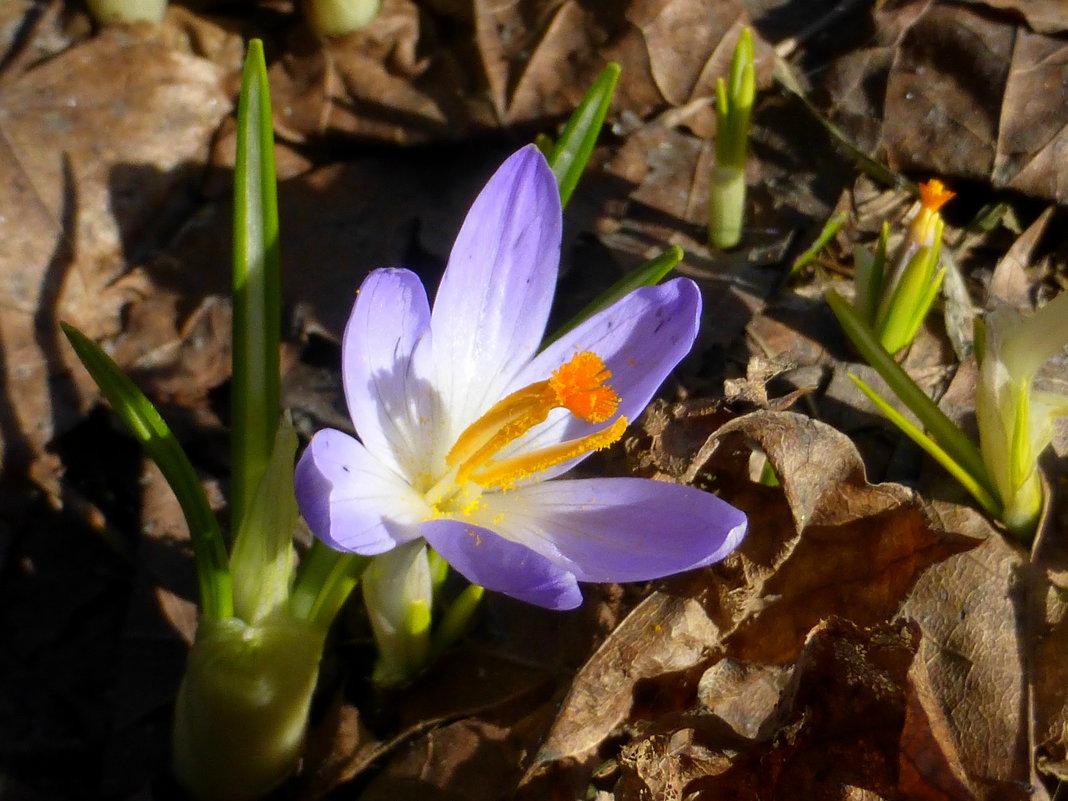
x=504, y=474
x=578, y=386
x=507, y=419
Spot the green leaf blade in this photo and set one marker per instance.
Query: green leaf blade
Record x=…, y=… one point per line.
x=149, y=429
x=324, y=581
x=986, y=500
x=573, y=149
x=255, y=405
x=960, y=449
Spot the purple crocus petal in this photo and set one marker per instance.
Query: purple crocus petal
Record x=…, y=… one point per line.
x=389, y=402
x=640, y=338
x=618, y=529
x=495, y=563
x=490, y=311
x=351, y=500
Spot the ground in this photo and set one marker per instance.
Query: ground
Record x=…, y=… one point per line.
x=875, y=637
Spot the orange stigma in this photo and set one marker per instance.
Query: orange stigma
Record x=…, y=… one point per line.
x=580, y=388
x=934, y=195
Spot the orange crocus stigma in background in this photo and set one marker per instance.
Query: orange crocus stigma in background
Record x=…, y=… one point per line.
x=934, y=194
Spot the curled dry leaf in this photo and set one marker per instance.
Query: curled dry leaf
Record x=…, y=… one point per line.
x=741, y=694
x=664, y=634
x=1010, y=282
x=855, y=550
x=391, y=81
x=825, y=545
x=674, y=51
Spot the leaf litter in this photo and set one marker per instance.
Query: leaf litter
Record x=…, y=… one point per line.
x=875, y=637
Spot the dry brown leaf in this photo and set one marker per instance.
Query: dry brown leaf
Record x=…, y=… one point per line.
x=954, y=90
x=943, y=92
x=845, y=711
x=380, y=83
x=1032, y=140
x=676, y=439
x=929, y=763
x=968, y=608
x=673, y=51
x=841, y=730
x=1046, y=629
x=664, y=634
x=470, y=758
x=414, y=77
x=333, y=750
x=1010, y=282
x=741, y=694
x=855, y=551
x=90, y=186
x=1044, y=16
x=663, y=766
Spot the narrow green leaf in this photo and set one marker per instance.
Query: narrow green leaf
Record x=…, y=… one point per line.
x=924, y=306
x=723, y=103
x=830, y=228
x=147, y=426
x=869, y=277
x=261, y=559
x=648, y=274
x=741, y=92
x=979, y=340
x=905, y=309
x=988, y=217
x=741, y=89
x=439, y=571
x=734, y=105
x=573, y=148
x=1022, y=459
x=960, y=449
x=456, y=618
x=985, y=499
x=545, y=144
x=256, y=289
x=324, y=581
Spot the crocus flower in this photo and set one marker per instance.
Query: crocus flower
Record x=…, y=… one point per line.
x=895, y=301
x=465, y=426
x=1015, y=420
